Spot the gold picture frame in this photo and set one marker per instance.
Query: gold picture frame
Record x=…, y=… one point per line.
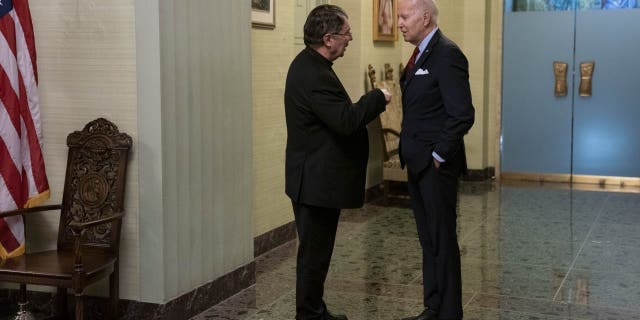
x=385, y=21
x=263, y=14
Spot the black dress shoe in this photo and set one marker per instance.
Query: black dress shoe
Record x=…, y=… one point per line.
x=427, y=314
x=331, y=316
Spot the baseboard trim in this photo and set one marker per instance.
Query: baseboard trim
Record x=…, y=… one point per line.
x=480, y=174
x=183, y=307
x=287, y=232
x=274, y=238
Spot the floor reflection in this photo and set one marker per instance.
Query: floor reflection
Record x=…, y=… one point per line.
x=528, y=252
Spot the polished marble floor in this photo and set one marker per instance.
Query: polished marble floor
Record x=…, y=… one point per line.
x=528, y=252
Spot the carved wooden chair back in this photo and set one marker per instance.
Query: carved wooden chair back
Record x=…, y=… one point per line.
x=91, y=215
x=94, y=185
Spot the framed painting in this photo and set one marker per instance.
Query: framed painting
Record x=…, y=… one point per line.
x=263, y=13
x=385, y=21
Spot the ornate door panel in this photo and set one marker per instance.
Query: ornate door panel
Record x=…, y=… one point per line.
x=587, y=128
x=606, y=131
x=536, y=125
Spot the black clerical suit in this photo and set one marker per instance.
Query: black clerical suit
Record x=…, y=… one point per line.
x=437, y=113
x=325, y=169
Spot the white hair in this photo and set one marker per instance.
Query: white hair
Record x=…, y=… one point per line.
x=431, y=6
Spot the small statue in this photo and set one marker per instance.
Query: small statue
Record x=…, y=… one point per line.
x=388, y=72
x=372, y=77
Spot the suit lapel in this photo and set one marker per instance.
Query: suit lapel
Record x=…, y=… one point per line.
x=423, y=57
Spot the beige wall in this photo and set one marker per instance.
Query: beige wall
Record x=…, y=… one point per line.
x=494, y=87
x=272, y=51
x=87, y=69
x=352, y=70
x=157, y=70
x=476, y=25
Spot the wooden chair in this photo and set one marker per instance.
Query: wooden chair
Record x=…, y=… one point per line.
x=390, y=122
x=90, y=221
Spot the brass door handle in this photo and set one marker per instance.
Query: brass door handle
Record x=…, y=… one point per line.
x=560, y=73
x=586, y=76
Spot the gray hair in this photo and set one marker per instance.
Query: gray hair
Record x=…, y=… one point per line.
x=321, y=20
x=430, y=5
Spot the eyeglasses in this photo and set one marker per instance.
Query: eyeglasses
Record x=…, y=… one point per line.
x=346, y=34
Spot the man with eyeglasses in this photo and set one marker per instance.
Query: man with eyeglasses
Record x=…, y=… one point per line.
x=327, y=151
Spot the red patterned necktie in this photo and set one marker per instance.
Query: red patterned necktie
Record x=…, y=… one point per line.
x=412, y=60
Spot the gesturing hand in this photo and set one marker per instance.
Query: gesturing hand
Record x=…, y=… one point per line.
x=387, y=95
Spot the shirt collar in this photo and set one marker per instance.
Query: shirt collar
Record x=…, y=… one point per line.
x=318, y=56
x=425, y=42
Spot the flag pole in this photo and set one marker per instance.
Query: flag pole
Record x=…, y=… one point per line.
x=23, y=313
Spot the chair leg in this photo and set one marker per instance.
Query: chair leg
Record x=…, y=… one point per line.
x=22, y=298
x=113, y=294
x=79, y=306
x=23, y=312
x=61, y=305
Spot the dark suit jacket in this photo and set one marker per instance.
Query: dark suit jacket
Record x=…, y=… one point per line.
x=327, y=140
x=437, y=108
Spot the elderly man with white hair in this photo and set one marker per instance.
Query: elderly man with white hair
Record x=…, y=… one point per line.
x=437, y=113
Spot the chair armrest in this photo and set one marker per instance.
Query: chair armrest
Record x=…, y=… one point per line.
x=20, y=212
x=79, y=226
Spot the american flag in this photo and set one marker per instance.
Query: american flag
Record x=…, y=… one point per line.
x=23, y=180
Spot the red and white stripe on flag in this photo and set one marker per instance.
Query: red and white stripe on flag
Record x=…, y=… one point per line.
x=23, y=180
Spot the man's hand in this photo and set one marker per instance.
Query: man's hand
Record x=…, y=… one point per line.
x=387, y=95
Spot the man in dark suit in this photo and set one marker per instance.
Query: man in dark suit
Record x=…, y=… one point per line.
x=327, y=151
x=437, y=113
